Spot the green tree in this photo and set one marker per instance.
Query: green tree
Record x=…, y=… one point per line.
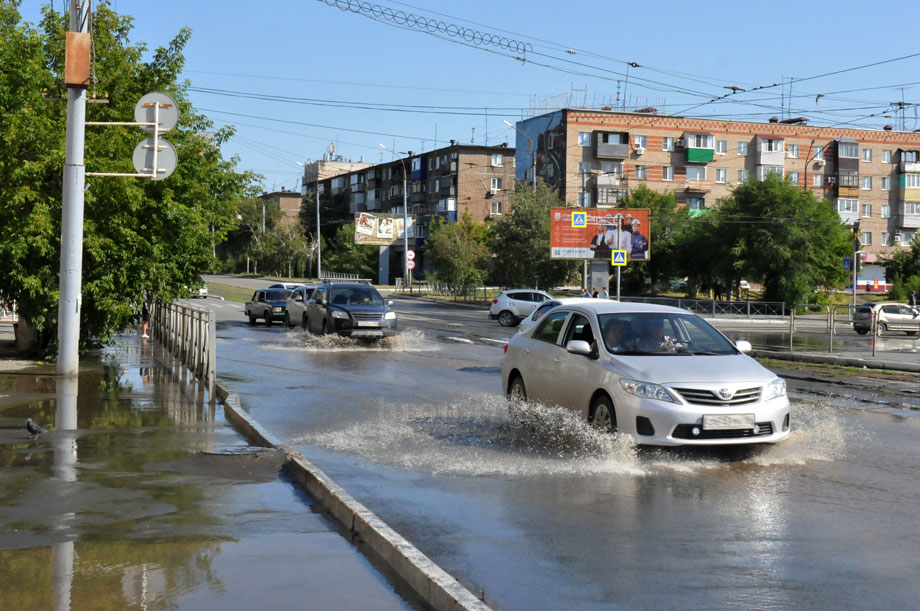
x=665, y=221
x=780, y=234
x=344, y=256
x=520, y=243
x=138, y=234
x=459, y=251
x=902, y=269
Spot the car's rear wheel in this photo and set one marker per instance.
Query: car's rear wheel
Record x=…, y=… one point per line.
x=507, y=319
x=882, y=328
x=252, y=319
x=516, y=390
x=603, y=416
x=268, y=319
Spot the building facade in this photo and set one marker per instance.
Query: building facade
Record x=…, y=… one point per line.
x=288, y=202
x=595, y=157
x=445, y=183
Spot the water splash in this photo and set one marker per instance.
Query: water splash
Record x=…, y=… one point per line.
x=483, y=435
x=410, y=340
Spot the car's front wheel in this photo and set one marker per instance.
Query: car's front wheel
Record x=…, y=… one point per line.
x=516, y=390
x=507, y=319
x=304, y=323
x=268, y=319
x=603, y=416
x=325, y=327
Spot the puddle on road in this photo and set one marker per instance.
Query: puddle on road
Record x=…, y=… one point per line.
x=480, y=435
x=410, y=340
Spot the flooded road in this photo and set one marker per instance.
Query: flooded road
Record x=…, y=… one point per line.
x=536, y=510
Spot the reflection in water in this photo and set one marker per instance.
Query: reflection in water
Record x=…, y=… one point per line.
x=65, y=470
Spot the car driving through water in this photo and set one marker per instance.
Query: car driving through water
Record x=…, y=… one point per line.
x=661, y=374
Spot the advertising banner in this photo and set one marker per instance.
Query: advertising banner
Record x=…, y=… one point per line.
x=375, y=229
x=594, y=233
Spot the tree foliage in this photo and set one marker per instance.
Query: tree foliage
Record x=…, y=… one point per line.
x=902, y=269
x=138, y=234
x=459, y=251
x=345, y=257
x=666, y=221
x=521, y=242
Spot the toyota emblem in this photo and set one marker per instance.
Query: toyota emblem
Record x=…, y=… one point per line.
x=725, y=394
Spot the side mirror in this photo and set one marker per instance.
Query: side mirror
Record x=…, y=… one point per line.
x=743, y=345
x=390, y=303
x=579, y=346
x=298, y=298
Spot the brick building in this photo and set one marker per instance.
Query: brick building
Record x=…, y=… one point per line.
x=595, y=157
x=446, y=183
x=288, y=202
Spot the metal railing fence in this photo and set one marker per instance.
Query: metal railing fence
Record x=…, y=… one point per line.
x=189, y=333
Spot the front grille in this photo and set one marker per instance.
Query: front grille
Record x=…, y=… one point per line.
x=685, y=431
x=366, y=315
x=698, y=396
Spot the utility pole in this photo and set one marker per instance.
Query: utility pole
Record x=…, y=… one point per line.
x=71, y=274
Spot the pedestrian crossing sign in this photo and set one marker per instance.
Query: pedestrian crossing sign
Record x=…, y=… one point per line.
x=618, y=257
x=580, y=219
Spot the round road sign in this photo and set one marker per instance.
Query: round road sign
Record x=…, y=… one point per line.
x=410, y=264
x=166, y=159
x=410, y=254
x=160, y=103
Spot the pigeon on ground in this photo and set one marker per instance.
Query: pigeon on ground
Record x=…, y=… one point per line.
x=34, y=429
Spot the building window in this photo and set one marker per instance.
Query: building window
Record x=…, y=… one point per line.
x=818, y=180
x=742, y=176
x=867, y=155
x=496, y=206
x=699, y=141
x=721, y=175
x=886, y=156
x=848, y=178
x=847, y=205
x=584, y=199
x=908, y=237
x=866, y=183
x=848, y=149
x=696, y=203
x=640, y=172
x=416, y=164
x=867, y=210
x=772, y=146
x=721, y=147
x=640, y=142
x=667, y=143
x=610, y=196
x=667, y=173
x=818, y=152
x=437, y=185
x=765, y=170
x=886, y=183
x=584, y=138
x=911, y=181
x=584, y=167
x=794, y=178
x=496, y=184
x=865, y=238
x=497, y=160
x=886, y=238
x=742, y=148
x=696, y=172
x=612, y=168
x=886, y=211
x=910, y=208
x=436, y=163
x=792, y=150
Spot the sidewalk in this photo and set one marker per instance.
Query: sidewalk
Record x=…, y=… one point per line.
x=154, y=500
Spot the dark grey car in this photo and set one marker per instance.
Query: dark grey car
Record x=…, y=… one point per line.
x=267, y=304
x=351, y=309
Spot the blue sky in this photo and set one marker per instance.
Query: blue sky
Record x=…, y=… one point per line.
x=688, y=53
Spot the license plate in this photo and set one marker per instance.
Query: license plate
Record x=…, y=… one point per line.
x=367, y=333
x=715, y=422
x=368, y=323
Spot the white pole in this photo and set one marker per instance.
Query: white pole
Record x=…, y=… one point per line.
x=319, y=254
x=68, y=362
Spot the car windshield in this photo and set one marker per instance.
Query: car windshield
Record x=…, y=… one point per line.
x=654, y=333
x=279, y=295
x=355, y=295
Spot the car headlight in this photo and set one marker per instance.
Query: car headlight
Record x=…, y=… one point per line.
x=777, y=388
x=391, y=315
x=647, y=390
x=339, y=314
x=277, y=309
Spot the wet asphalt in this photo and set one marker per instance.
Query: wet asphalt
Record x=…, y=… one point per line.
x=139, y=496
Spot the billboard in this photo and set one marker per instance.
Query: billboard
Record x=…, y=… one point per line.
x=377, y=229
x=593, y=233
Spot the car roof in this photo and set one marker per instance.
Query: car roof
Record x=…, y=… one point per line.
x=571, y=300
x=606, y=306
x=526, y=290
x=351, y=284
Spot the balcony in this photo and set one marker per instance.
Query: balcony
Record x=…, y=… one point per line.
x=912, y=167
x=609, y=180
x=418, y=196
x=908, y=221
x=449, y=190
x=698, y=186
x=611, y=151
x=847, y=191
x=695, y=155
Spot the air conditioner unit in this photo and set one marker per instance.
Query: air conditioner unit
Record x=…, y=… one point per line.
x=493, y=191
x=679, y=142
x=640, y=150
x=820, y=162
x=897, y=238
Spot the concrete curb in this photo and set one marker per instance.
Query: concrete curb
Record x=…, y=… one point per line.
x=434, y=584
x=843, y=361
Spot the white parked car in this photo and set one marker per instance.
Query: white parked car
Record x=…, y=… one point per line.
x=661, y=374
x=511, y=307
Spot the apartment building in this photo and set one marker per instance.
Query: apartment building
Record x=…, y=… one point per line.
x=288, y=202
x=445, y=183
x=595, y=157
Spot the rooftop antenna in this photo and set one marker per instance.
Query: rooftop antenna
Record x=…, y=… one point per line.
x=473, y=137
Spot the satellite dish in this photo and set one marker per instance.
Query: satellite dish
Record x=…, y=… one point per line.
x=331, y=149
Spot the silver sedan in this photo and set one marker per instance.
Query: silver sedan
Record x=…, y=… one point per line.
x=661, y=374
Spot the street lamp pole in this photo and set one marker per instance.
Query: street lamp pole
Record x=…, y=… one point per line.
x=407, y=273
x=319, y=254
x=533, y=155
